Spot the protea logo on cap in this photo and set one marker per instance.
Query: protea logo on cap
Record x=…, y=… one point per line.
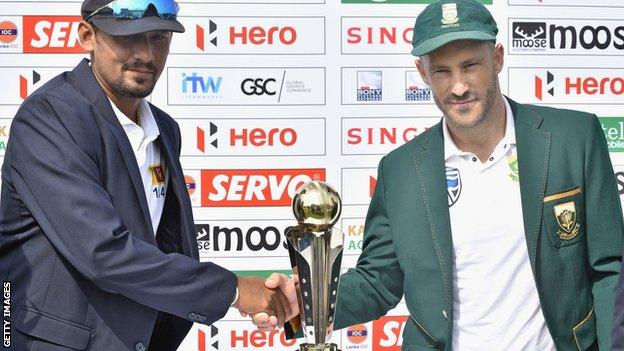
x=449, y=15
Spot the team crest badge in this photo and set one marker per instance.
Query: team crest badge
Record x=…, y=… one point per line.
x=157, y=172
x=449, y=14
x=566, y=218
x=453, y=185
x=512, y=161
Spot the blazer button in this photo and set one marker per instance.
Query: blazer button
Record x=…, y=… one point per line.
x=139, y=347
x=192, y=316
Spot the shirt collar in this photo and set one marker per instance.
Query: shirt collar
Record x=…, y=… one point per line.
x=450, y=149
x=148, y=123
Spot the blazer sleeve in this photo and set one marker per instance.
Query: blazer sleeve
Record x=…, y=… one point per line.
x=59, y=183
x=375, y=285
x=604, y=230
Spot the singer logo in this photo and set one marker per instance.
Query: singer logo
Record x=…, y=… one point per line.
x=23, y=84
x=388, y=333
x=51, y=34
x=203, y=343
x=539, y=85
x=379, y=35
x=254, y=187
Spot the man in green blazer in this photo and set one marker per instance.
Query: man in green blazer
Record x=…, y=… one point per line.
x=501, y=225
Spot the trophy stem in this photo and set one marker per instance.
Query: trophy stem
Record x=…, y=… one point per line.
x=326, y=347
x=320, y=272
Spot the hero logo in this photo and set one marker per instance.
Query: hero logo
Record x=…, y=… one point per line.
x=24, y=84
x=248, y=137
x=539, y=85
x=259, y=86
x=255, y=238
x=275, y=340
x=254, y=187
x=244, y=35
x=200, y=35
x=388, y=333
x=201, y=138
x=51, y=34
x=582, y=86
x=203, y=344
x=258, y=35
x=379, y=35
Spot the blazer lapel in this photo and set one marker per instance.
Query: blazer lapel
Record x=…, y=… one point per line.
x=533, y=146
x=87, y=84
x=178, y=184
x=430, y=171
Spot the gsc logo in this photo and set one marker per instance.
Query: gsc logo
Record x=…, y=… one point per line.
x=258, y=86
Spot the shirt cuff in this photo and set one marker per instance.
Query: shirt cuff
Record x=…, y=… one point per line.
x=235, y=297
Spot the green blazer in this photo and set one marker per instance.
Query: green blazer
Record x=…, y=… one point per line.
x=407, y=247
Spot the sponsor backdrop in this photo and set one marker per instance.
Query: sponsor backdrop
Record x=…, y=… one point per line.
x=273, y=93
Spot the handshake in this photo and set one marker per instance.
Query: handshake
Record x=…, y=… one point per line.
x=270, y=302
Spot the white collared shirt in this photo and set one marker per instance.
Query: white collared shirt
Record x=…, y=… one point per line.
x=149, y=158
x=495, y=301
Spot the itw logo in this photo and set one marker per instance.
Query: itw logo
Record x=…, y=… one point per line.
x=613, y=127
x=200, y=84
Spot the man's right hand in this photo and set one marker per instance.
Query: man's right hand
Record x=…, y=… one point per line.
x=288, y=287
x=254, y=297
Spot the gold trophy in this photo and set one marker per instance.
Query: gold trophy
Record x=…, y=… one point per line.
x=315, y=250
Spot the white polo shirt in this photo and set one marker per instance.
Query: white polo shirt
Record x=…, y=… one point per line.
x=148, y=156
x=495, y=300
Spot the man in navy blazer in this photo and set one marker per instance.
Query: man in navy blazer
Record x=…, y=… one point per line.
x=96, y=229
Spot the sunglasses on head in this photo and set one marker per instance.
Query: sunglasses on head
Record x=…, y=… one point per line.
x=136, y=9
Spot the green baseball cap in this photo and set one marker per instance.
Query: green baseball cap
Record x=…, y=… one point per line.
x=448, y=20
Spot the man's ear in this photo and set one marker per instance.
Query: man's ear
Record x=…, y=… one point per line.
x=86, y=36
x=420, y=65
x=499, y=57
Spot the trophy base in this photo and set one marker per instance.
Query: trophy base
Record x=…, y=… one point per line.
x=326, y=347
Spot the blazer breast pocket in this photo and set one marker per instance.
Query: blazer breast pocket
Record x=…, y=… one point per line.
x=564, y=217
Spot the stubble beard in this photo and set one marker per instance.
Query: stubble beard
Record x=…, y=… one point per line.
x=488, y=103
x=123, y=89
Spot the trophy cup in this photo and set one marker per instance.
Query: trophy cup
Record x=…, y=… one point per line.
x=315, y=250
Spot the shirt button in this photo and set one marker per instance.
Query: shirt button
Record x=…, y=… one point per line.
x=139, y=347
x=491, y=158
x=474, y=159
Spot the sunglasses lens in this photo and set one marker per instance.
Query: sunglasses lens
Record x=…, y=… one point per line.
x=135, y=9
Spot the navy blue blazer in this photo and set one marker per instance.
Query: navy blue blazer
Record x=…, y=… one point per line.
x=76, y=240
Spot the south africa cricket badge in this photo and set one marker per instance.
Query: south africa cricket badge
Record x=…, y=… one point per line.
x=567, y=219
